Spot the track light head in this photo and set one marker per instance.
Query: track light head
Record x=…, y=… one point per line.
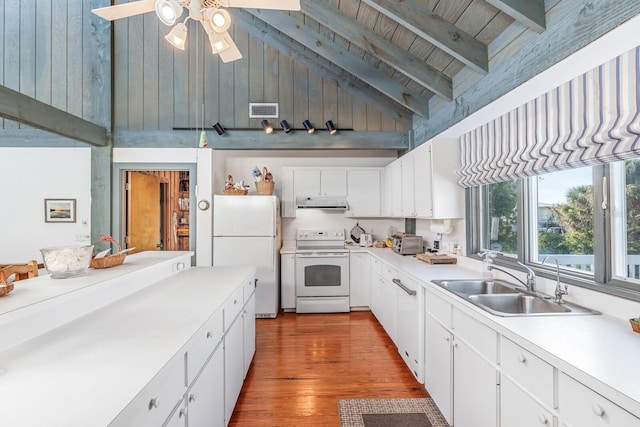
x=218, y=128
x=308, y=126
x=266, y=126
x=285, y=126
x=331, y=127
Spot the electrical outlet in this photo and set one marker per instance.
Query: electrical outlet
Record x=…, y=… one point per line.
x=82, y=237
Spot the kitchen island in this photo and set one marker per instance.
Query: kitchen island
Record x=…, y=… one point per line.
x=134, y=360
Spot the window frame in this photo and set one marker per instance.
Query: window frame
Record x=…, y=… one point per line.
x=601, y=280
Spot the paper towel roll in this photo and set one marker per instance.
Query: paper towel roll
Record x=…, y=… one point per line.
x=443, y=227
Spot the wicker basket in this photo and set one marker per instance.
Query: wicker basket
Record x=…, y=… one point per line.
x=108, y=260
x=5, y=288
x=635, y=325
x=265, y=188
x=236, y=192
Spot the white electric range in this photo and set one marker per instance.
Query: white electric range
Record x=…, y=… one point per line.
x=322, y=271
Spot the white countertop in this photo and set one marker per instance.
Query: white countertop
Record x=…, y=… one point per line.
x=600, y=351
x=85, y=372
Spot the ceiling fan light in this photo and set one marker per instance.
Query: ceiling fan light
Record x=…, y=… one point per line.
x=220, y=20
x=168, y=11
x=177, y=36
x=218, y=43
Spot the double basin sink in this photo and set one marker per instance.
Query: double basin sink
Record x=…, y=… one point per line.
x=505, y=299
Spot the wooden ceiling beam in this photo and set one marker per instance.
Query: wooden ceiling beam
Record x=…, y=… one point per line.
x=322, y=67
x=529, y=12
x=376, y=45
x=321, y=45
x=24, y=109
x=437, y=31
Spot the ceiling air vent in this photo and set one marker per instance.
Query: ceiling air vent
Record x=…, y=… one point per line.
x=263, y=110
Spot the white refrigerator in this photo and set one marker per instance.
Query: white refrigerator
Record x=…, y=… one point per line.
x=246, y=231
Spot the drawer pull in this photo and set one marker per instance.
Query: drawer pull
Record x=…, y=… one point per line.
x=154, y=403
x=522, y=358
x=209, y=334
x=597, y=410
x=182, y=413
x=543, y=419
x=192, y=397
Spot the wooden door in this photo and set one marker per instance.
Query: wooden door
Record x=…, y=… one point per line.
x=143, y=214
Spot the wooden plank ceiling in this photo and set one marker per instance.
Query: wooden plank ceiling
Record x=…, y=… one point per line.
x=407, y=50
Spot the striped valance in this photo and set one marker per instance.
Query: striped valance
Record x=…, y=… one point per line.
x=592, y=119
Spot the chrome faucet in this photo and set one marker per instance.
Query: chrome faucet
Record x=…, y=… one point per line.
x=530, y=284
x=559, y=291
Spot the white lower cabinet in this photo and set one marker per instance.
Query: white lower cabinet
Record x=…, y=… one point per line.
x=288, y=281
x=460, y=369
x=517, y=408
x=203, y=404
x=438, y=370
x=580, y=406
x=376, y=288
x=359, y=279
x=249, y=325
x=390, y=302
x=233, y=366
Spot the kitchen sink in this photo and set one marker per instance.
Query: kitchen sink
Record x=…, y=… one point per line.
x=475, y=287
x=518, y=304
x=502, y=298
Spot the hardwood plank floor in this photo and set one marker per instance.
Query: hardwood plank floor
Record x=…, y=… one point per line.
x=304, y=363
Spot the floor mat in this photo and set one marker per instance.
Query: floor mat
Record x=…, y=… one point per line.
x=355, y=412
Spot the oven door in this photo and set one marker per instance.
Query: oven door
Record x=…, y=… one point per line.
x=321, y=274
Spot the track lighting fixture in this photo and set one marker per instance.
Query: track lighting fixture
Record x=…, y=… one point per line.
x=218, y=128
x=308, y=126
x=285, y=126
x=266, y=126
x=331, y=127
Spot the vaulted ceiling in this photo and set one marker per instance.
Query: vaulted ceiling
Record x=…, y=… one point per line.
x=408, y=51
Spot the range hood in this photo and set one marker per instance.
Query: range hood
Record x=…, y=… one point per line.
x=327, y=203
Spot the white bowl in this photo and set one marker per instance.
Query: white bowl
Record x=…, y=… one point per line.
x=67, y=261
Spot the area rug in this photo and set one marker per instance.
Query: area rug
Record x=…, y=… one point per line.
x=415, y=412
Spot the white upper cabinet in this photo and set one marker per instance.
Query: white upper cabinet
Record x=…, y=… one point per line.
x=363, y=192
x=408, y=186
x=423, y=183
x=316, y=182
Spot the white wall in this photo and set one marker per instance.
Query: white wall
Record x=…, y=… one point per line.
x=27, y=177
x=240, y=164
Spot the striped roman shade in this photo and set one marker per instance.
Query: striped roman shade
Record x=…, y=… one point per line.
x=592, y=119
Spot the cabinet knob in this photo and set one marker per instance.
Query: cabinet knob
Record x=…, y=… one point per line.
x=154, y=403
x=522, y=358
x=235, y=301
x=209, y=334
x=543, y=419
x=446, y=338
x=182, y=413
x=192, y=397
x=455, y=345
x=597, y=410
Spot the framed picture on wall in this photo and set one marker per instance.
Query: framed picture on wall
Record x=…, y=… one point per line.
x=59, y=210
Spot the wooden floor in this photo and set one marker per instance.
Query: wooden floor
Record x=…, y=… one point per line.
x=304, y=363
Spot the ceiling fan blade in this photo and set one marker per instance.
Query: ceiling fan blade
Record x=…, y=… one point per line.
x=125, y=10
x=263, y=4
x=232, y=53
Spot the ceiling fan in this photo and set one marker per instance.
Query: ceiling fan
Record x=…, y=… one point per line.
x=210, y=13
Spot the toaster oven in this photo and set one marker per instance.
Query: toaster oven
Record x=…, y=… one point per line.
x=407, y=244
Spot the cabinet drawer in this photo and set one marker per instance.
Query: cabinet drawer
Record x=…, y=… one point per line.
x=202, y=345
x=481, y=337
x=249, y=289
x=532, y=373
x=439, y=309
x=232, y=307
x=376, y=265
x=580, y=406
x=388, y=272
x=153, y=405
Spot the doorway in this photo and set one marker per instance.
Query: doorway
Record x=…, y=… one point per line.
x=156, y=212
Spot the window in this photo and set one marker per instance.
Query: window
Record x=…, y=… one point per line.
x=564, y=211
x=588, y=218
